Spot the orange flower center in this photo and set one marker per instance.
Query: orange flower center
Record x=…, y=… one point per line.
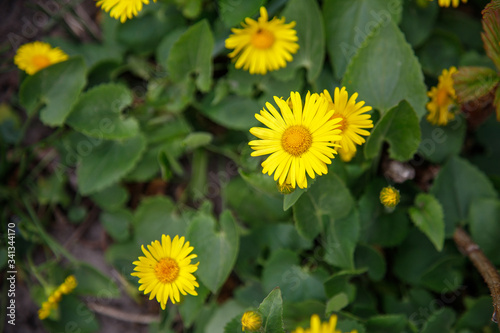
x=167, y=270
x=442, y=98
x=296, y=140
x=263, y=39
x=40, y=61
x=343, y=122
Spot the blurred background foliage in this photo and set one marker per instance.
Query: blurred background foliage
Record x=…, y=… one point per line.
x=144, y=131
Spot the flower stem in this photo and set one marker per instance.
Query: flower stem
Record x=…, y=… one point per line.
x=489, y=273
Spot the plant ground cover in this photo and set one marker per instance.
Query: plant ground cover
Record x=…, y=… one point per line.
x=264, y=166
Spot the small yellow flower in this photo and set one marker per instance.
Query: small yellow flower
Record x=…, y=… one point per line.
x=353, y=118
x=262, y=45
x=446, y=3
x=318, y=327
x=442, y=99
x=389, y=196
x=166, y=270
x=35, y=56
x=299, y=140
x=122, y=9
x=55, y=297
x=251, y=321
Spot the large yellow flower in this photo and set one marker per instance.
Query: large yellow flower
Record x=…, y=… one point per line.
x=300, y=139
x=442, y=99
x=353, y=119
x=122, y=9
x=318, y=327
x=166, y=270
x=35, y=56
x=263, y=45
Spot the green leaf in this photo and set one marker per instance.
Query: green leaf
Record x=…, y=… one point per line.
x=456, y=186
x=290, y=199
x=418, y=21
x=388, y=323
x=92, y=282
x=477, y=315
x=296, y=283
x=385, y=71
x=427, y=215
x=349, y=23
x=371, y=258
x=156, y=216
x=98, y=113
x=271, y=309
x=417, y=262
x=51, y=190
x=144, y=33
x=106, y=162
x=73, y=315
x=337, y=303
x=450, y=50
x=233, y=12
x=441, y=142
x=196, y=139
x=491, y=34
x=440, y=321
x=309, y=27
x=341, y=236
x=243, y=199
x=117, y=224
x=400, y=128
x=55, y=89
x=192, y=54
x=472, y=83
x=111, y=198
x=483, y=218
x=327, y=196
x=233, y=112
x=216, y=250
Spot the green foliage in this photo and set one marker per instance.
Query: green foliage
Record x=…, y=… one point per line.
x=456, y=186
x=53, y=90
x=217, y=251
x=385, y=71
x=192, y=54
x=98, y=113
x=107, y=162
x=311, y=34
x=400, y=128
x=144, y=132
x=427, y=215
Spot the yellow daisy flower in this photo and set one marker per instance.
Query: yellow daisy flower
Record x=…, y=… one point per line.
x=318, y=327
x=353, y=119
x=166, y=270
x=55, y=297
x=251, y=321
x=35, y=56
x=122, y=9
x=300, y=139
x=446, y=3
x=389, y=197
x=442, y=99
x=263, y=45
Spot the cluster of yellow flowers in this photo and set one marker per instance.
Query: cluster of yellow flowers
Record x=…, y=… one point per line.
x=304, y=137
x=55, y=297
